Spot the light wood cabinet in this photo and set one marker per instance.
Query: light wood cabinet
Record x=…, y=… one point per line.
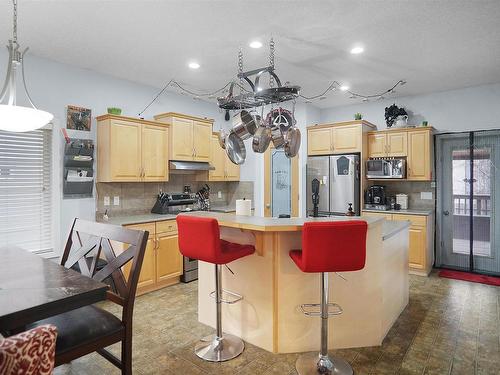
x=131, y=150
x=382, y=144
x=225, y=169
x=162, y=264
x=421, y=242
x=413, y=143
x=190, y=139
x=336, y=138
x=419, y=155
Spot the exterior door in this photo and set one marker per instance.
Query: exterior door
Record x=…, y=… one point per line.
x=281, y=183
x=468, y=201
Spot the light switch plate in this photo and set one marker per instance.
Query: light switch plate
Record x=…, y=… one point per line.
x=219, y=194
x=426, y=195
x=433, y=184
x=116, y=200
x=106, y=201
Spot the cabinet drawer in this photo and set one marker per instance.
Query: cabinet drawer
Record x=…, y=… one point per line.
x=414, y=219
x=150, y=227
x=166, y=226
x=377, y=214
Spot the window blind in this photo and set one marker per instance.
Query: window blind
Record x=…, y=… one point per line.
x=26, y=190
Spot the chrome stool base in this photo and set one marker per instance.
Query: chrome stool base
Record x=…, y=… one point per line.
x=314, y=364
x=216, y=349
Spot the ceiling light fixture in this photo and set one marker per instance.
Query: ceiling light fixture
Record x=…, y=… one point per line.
x=255, y=44
x=357, y=50
x=194, y=65
x=344, y=88
x=13, y=117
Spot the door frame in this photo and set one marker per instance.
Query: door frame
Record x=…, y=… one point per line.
x=267, y=184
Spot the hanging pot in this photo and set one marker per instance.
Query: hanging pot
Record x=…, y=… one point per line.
x=292, y=142
x=245, y=124
x=277, y=137
x=235, y=148
x=261, y=139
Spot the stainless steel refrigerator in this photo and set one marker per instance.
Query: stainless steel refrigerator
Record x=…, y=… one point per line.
x=339, y=184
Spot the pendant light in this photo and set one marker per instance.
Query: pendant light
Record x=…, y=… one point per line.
x=13, y=117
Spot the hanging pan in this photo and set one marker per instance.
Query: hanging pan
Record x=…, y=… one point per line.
x=235, y=149
x=292, y=142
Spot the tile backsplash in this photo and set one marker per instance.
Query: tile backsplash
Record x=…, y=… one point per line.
x=413, y=189
x=139, y=198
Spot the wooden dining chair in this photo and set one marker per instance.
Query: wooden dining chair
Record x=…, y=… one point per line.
x=90, y=328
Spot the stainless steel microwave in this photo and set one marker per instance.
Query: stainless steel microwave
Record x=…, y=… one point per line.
x=386, y=168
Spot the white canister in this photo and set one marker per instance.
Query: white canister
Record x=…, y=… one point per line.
x=402, y=200
x=244, y=207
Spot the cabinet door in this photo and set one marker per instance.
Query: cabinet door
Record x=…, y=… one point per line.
x=419, y=155
x=319, y=141
x=417, y=247
x=125, y=151
x=377, y=145
x=155, y=153
x=397, y=143
x=182, y=139
x=217, y=160
x=168, y=258
x=147, y=275
x=232, y=170
x=202, y=134
x=346, y=139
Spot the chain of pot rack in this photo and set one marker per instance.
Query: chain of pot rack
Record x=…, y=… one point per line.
x=308, y=99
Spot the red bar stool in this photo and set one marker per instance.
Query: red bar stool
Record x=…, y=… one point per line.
x=199, y=238
x=338, y=246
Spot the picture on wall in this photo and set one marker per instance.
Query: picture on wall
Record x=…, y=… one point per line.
x=78, y=118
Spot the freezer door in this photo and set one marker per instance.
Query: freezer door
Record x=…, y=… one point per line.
x=344, y=183
x=318, y=167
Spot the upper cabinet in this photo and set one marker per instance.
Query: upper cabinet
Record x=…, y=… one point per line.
x=413, y=143
x=336, y=138
x=382, y=144
x=225, y=170
x=131, y=150
x=190, y=136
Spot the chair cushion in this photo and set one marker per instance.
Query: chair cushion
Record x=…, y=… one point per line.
x=29, y=353
x=81, y=326
x=231, y=251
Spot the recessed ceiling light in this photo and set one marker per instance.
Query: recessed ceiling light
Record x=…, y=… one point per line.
x=344, y=88
x=255, y=44
x=357, y=50
x=194, y=65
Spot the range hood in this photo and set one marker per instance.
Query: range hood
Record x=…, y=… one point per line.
x=194, y=166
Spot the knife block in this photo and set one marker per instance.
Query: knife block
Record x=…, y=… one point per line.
x=160, y=207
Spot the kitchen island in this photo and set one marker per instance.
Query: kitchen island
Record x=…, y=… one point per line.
x=273, y=287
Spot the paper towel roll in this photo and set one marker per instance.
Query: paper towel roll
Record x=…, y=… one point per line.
x=244, y=207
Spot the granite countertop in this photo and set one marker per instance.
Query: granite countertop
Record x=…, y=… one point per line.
x=391, y=228
x=137, y=219
x=269, y=224
x=402, y=212
x=225, y=208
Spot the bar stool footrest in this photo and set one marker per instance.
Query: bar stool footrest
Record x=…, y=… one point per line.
x=314, y=309
x=228, y=297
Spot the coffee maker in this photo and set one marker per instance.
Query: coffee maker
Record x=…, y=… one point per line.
x=376, y=198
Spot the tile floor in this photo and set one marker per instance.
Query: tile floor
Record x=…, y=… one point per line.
x=449, y=327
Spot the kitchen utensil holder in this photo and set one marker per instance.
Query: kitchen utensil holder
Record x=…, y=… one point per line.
x=160, y=207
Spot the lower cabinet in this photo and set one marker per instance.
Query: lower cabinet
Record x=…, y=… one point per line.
x=420, y=252
x=162, y=264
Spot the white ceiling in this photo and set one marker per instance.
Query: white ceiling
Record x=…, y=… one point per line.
x=434, y=45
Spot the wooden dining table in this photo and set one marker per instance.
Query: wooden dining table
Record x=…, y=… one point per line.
x=34, y=288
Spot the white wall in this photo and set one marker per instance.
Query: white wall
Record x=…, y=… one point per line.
x=457, y=110
x=54, y=85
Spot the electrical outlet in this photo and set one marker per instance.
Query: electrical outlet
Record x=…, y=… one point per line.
x=219, y=194
x=433, y=184
x=116, y=200
x=106, y=201
x=426, y=195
